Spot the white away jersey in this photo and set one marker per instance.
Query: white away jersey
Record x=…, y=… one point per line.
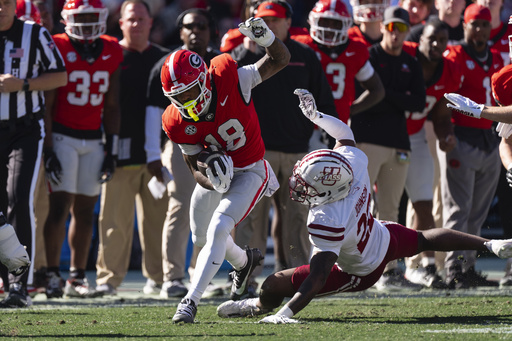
x=346, y=227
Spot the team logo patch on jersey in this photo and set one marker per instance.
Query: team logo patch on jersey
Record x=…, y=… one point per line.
x=190, y=130
x=470, y=64
x=71, y=57
x=51, y=45
x=195, y=61
x=405, y=68
x=209, y=117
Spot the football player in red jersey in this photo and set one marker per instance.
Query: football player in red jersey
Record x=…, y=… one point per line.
x=351, y=248
x=214, y=107
x=343, y=60
x=501, y=83
x=76, y=161
x=470, y=172
x=440, y=74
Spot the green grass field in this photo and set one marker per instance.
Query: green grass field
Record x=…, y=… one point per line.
x=439, y=316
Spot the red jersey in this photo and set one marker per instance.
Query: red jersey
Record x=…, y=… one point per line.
x=230, y=123
x=476, y=84
x=499, y=41
x=447, y=78
x=79, y=104
x=354, y=33
x=341, y=71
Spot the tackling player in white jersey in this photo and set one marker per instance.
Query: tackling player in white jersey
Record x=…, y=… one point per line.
x=351, y=248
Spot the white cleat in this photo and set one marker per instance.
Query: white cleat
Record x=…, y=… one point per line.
x=241, y=308
x=500, y=247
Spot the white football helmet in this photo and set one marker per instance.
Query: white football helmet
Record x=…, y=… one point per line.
x=321, y=177
x=329, y=9
x=368, y=11
x=87, y=31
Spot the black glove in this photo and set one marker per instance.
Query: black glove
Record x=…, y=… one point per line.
x=52, y=166
x=109, y=162
x=509, y=177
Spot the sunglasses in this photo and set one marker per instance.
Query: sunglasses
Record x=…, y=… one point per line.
x=201, y=26
x=401, y=27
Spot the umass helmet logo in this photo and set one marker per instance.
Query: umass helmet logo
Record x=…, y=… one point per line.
x=195, y=60
x=330, y=176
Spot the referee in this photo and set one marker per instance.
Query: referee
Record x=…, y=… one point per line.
x=29, y=64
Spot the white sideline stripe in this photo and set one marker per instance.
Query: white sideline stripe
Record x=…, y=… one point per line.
x=487, y=330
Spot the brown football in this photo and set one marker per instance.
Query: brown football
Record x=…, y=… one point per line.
x=207, y=157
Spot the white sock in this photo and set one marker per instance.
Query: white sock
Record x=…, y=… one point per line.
x=211, y=256
x=235, y=255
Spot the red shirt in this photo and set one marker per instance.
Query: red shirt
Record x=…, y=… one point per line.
x=449, y=80
x=341, y=71
x=233, y=124
x=79, y=104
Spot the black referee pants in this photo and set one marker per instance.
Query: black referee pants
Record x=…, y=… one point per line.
x=20, y=151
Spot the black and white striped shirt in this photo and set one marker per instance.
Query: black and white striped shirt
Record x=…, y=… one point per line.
x=26, y=51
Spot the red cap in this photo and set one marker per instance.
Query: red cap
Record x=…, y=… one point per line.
x=270, y=9
x=501, y=83
x=475, y=11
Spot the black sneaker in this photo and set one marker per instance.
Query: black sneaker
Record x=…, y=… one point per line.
x=476, y=279
x=186, y=311
x=17, y=298
x=436, y=282
x=241, y=277
x=455, y=279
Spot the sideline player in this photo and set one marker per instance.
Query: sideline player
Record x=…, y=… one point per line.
x=351, y=248
x=214, y=107
x=76, y=161
x=344, y=60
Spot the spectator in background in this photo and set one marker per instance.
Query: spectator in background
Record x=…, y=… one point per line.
x=197, y=28
x=21, y=130
x=381, y=131
x=418, y=10
x=470, y=172
x=449, y=11
x=286, y=133
x=76, y=160
x=130, y=185
x=500, y=30
x=441, y=75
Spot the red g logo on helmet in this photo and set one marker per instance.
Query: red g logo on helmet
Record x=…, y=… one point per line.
x=329, y=21
x=182, y=71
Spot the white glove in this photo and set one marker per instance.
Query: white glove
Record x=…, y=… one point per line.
x=307, y=104
x=222, y=181
x=504, y=129
x=464, y=105
x=12, y=254
x=278, y=319
x=500, y=247
x=257, y=30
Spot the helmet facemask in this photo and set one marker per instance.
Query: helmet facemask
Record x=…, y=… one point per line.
x=86, y=23
x=321, y=177
x=329, y=36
